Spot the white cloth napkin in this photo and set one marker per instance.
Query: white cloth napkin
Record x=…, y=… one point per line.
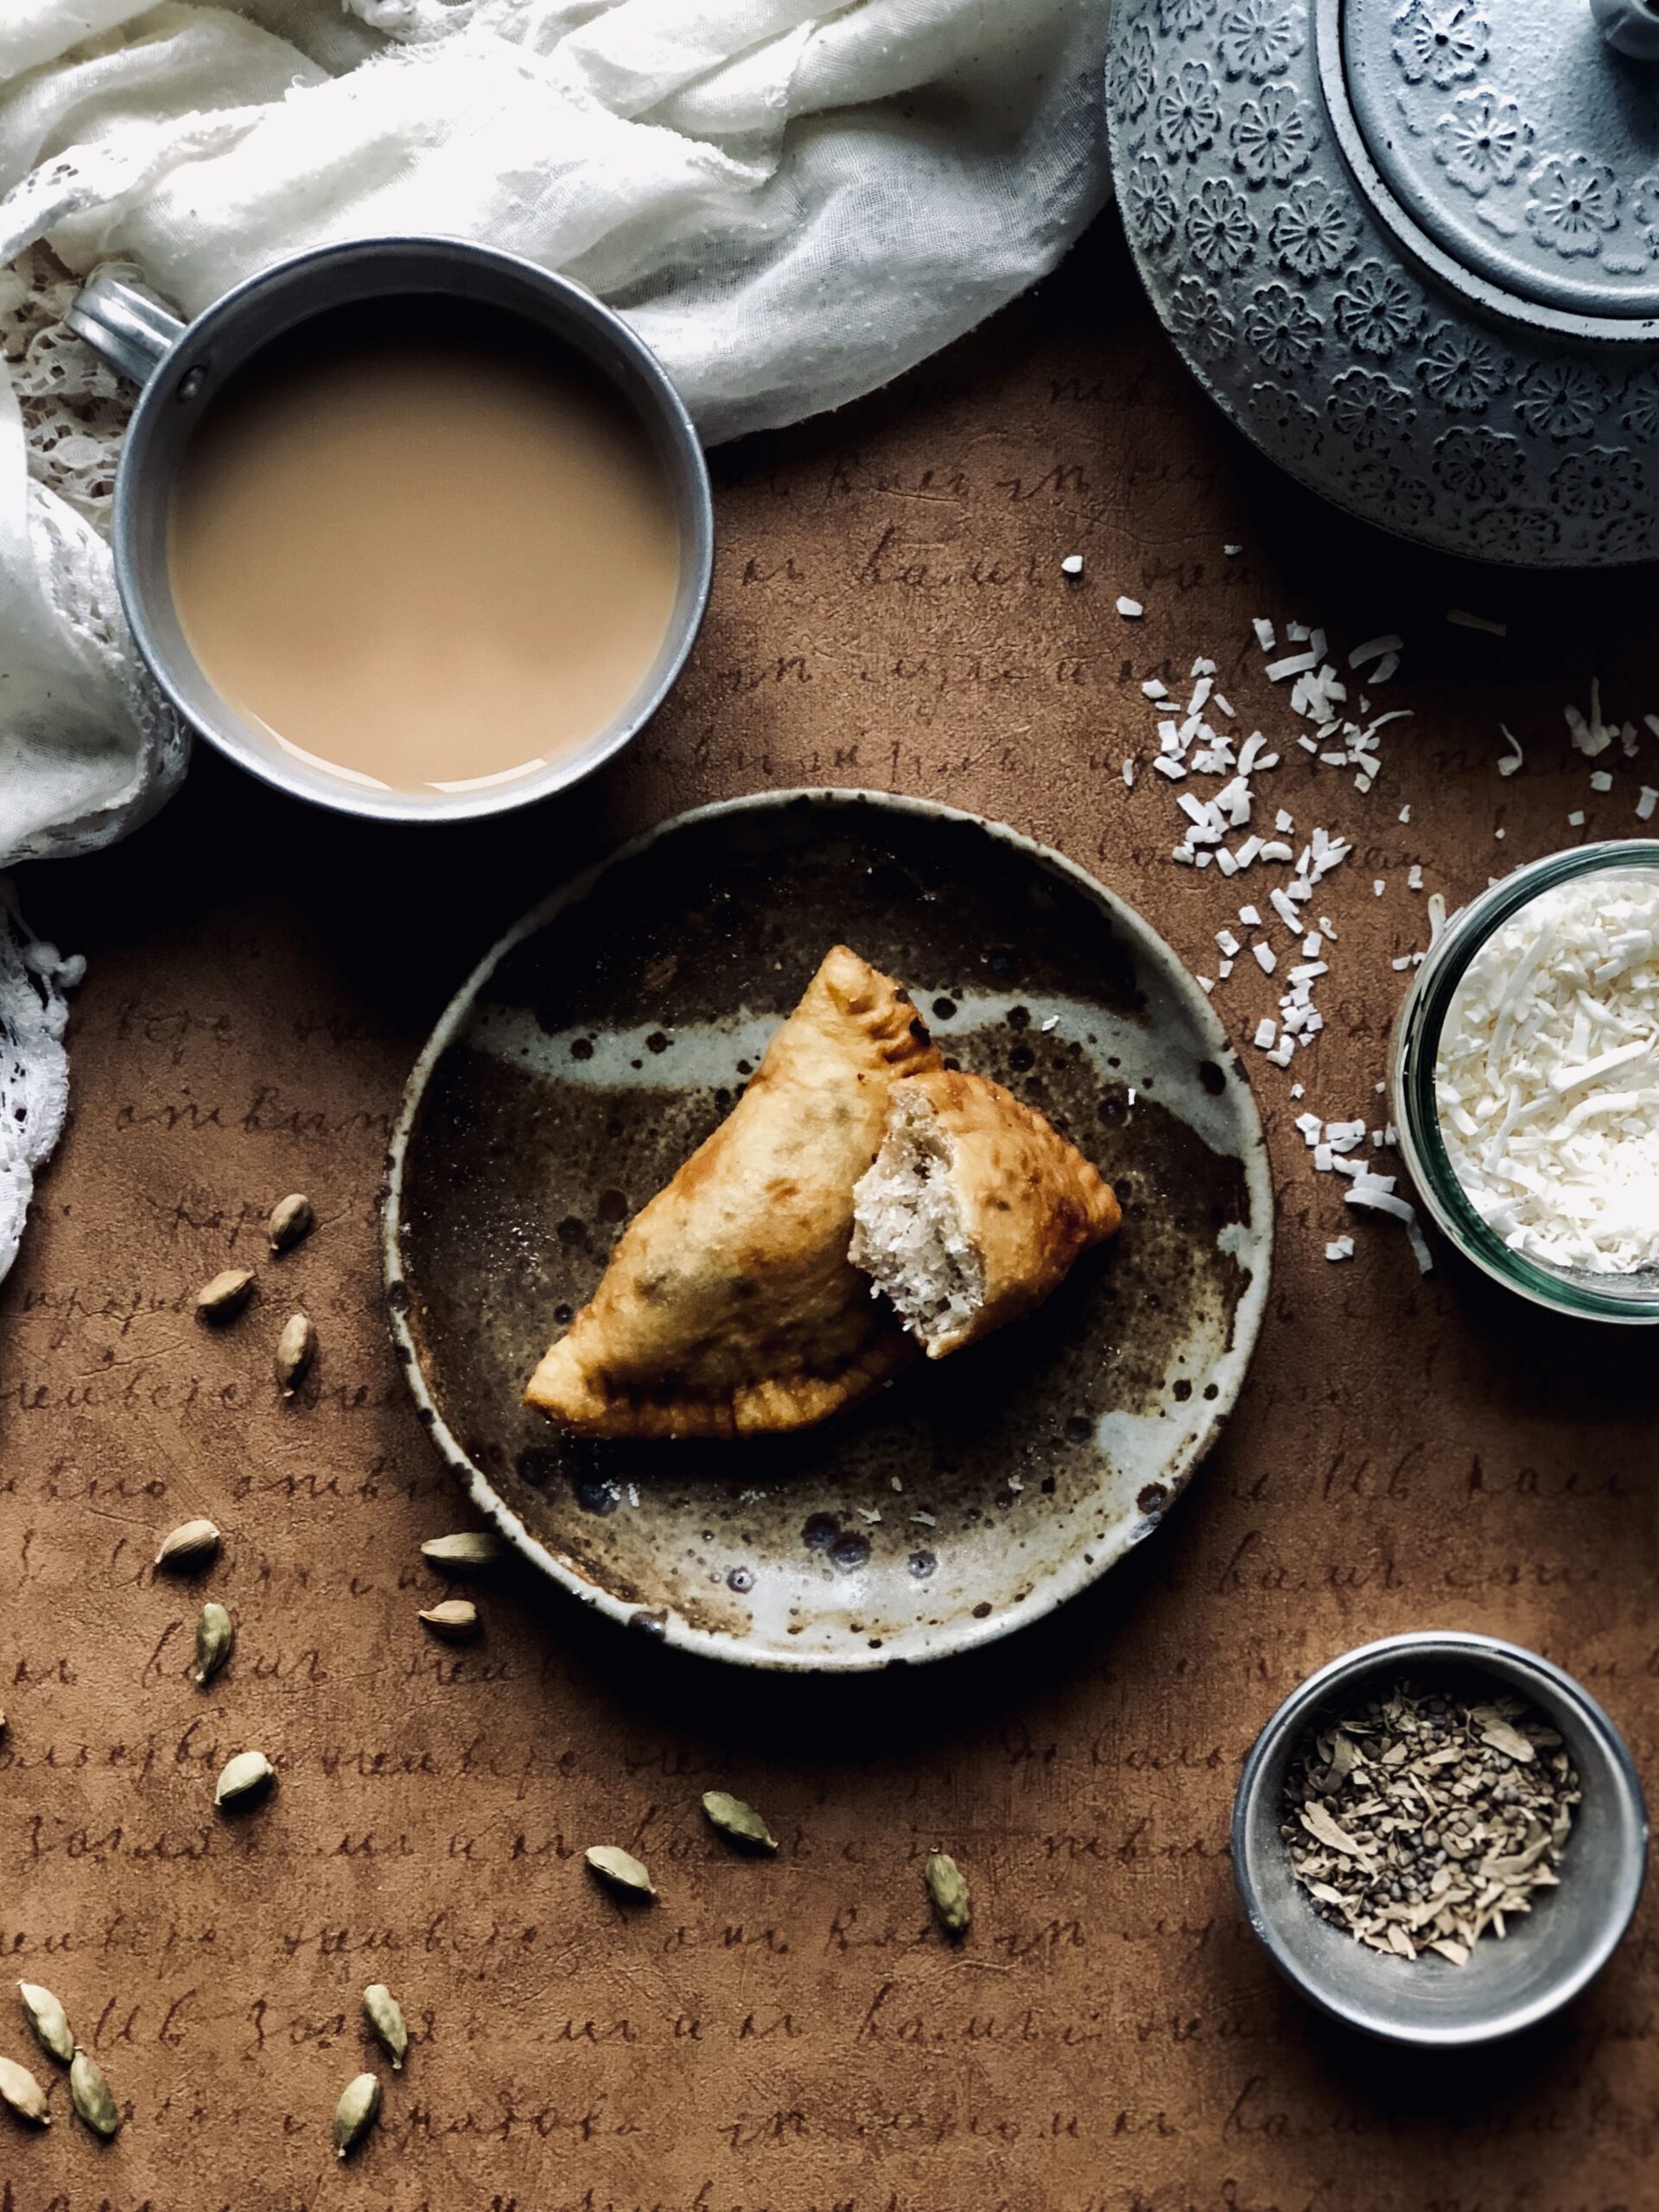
x=792, y=202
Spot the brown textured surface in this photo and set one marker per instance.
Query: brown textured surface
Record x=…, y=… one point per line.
x=785, y=2036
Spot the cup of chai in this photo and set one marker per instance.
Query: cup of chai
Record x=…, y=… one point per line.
x=408, y=527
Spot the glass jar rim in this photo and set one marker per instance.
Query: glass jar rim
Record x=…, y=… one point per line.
x=1416, y=1049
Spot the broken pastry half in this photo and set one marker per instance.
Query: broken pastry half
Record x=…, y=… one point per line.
x=730, y=1307
x=973, y=1209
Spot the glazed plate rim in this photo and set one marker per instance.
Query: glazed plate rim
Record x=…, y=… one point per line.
x=1076, y=1572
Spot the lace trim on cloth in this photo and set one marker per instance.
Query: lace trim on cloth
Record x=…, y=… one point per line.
x=33, y=1067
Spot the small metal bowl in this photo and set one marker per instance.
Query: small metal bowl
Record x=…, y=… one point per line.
x=1546, y=1959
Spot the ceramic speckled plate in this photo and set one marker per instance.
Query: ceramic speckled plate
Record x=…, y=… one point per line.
x=611, y=1031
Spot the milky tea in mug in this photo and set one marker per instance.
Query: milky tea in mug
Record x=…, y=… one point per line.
x=423, y=561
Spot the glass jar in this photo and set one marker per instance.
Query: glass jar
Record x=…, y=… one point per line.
x=1597, y=1296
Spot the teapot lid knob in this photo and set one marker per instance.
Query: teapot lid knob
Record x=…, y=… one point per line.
x=1632, y=26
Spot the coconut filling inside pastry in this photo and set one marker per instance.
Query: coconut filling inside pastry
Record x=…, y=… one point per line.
x=909, y=1236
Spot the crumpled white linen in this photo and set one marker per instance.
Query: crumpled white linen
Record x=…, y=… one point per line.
x=792, y=203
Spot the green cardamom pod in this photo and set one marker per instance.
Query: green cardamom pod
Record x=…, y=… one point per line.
x=292, y=1218
x=226, y=1295
x=90, y=2093
x=620, y=1868
x=49, y=2021
x=295, y=1349
x=215, y=1634
x=739, y=1821
x=386, y=2016
x=470, y=1551
x=947, y=1892
x=192, y=1543
x=242, y=1779
x=19, y=2089
x=455, y=1620
x=354, y=2115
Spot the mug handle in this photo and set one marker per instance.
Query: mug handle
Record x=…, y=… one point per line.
x=130, y=331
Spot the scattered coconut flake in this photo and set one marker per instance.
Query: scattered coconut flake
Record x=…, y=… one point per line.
x=1590, y=734
x=1292, y=665
x=1266, y=636
x=1265, y=1031
x=1601, y=780
x=1645, y=805
x=1340, y=1248
x=1464, y=621
x=1401, y=1209
x=1510, y=762
x=1266, y=958
x=1130, y=609
x=1376, y=649
x=1072, y=565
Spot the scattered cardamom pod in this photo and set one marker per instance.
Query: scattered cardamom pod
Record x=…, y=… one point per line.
x=455, y=1620
x=471, y=1551
x=242, y=1779
x=296, y=1348
x=215, y=1634
x=226, y=1295
x=292, y=1220
x=386, y=2016
x=90, y=2093
x=49, y=2021
x=19, y=2089
x=947, y=1892
x=739, y=1821
x=620, y=1868
x=354, y=2115
x=192, y=1543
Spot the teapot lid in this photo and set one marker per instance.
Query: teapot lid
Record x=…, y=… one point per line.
x=1513, y=147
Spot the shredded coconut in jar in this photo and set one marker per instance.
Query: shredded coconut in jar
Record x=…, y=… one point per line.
x=1546, y=1081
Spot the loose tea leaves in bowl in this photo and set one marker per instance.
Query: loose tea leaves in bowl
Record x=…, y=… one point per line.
x=1427, y=1818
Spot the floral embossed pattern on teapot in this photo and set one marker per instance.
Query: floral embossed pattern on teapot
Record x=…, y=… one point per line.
x=1412, y=248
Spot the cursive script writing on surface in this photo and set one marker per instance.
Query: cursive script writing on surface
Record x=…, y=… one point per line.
x=787, y=2034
